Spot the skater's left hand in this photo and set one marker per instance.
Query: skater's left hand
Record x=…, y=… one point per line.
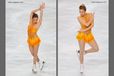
x=42, y=5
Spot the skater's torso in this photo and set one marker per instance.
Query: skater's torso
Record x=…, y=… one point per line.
x=86, y=20
x=32, y=31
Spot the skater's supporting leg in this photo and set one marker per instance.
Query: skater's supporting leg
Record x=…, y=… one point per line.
x=35, y=53
x=31, y=50
x=82, y=47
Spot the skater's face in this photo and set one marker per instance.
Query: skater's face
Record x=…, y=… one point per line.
x=35, y=19
x=82, y=12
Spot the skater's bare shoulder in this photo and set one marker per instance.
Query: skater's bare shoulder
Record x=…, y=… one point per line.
x=89, y=14
x=80, y=19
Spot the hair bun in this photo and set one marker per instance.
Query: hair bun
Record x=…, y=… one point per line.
x=33, y=13
x=82, y=5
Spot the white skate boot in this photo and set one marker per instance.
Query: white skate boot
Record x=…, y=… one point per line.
x=81, y=68
x=34, y=69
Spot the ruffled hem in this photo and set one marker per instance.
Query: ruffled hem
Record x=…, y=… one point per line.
x=87, y=38
x=33, y=42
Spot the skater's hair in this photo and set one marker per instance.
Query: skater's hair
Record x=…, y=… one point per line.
x=82, y=6
x=34, y=15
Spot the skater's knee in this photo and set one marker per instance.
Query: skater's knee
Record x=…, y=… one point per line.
x=35, y=56
x=96, y=49
x=81, y=52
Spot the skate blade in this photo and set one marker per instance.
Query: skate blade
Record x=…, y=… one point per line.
x=42, y=66
x=81, y=72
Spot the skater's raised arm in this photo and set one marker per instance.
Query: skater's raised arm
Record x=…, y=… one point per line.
x=36, y=10
x=41, y=13
x=32, y=14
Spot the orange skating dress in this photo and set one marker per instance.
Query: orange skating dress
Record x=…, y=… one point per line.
x=87, y=36
x=32, y=39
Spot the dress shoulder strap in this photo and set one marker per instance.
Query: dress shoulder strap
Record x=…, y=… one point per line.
x=87, y=18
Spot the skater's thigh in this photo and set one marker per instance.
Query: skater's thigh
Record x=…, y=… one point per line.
x=36, y=47
x=81, y=44
x=93, y=44
x=31, y=48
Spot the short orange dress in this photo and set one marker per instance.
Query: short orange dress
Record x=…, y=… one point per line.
x=87, y=36
x=32, y=41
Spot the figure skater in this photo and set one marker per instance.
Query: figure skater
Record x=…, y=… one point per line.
x=85, y=35
x=33, y=38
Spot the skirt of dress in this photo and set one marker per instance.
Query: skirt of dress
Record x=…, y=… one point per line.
x=87, y=38
x=34, y=41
